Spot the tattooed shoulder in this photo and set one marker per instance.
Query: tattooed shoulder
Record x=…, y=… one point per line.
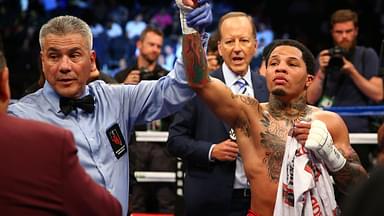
x=248, y=100
x=243, y=124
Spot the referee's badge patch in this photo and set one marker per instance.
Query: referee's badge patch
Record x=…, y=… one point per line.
x=117, y=140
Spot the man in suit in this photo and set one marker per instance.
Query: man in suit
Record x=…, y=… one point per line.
x=214, y=184
x=40, y=172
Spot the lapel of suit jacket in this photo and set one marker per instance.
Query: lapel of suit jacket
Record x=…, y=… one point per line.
x=260, y=90
x=255, y=85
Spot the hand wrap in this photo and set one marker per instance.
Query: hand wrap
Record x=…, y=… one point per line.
x=320, y=142
x=195, y=19
x=184, y=11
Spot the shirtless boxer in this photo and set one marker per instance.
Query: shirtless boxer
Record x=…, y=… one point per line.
x=262, y=129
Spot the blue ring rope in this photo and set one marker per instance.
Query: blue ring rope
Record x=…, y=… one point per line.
x=357, y=110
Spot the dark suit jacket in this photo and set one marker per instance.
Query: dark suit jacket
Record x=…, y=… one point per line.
x=40, y=173
x=208, y=185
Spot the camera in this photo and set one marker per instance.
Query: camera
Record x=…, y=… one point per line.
x=146, y=74
x=336, y=61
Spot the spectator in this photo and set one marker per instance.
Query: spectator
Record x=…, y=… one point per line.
x=101, y=44
x=162, y=19
x=118, y=46
x=168, y=59
x=214, y=59
x=145, y=65
x=113, y=29
x=96, y=74
x=347, y=73
x=263, y=64
x=265, y=36
x=133, y=28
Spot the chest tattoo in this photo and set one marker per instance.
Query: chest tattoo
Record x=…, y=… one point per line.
x=273, y=139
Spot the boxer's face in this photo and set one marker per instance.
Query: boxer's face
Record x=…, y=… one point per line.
x=287, y=72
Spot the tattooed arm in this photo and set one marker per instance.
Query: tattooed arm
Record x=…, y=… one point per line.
x=195, y=15
x=212, y=91
x=352, y=172
x=195, y=61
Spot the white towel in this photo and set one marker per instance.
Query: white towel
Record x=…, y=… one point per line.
x=305, y=186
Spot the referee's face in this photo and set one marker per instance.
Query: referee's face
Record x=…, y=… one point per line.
x=67, y=62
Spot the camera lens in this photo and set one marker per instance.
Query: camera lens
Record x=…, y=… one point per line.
x=336, y=61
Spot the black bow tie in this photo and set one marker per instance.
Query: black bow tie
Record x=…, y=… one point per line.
x=68, y=104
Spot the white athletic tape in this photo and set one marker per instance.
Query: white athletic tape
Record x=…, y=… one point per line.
x=321, y=143
x=184, y=10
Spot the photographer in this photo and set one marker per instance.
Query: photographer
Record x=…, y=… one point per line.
x=347, y=74
x=145, y=67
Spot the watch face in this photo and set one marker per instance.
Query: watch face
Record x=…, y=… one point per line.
x=232, y=134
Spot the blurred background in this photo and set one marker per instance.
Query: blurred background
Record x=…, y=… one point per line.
x=117, y=24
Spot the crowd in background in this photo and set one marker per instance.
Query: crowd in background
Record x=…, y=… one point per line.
x=117, y=24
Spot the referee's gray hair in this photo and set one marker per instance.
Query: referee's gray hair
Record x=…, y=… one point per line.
x=63, y=25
